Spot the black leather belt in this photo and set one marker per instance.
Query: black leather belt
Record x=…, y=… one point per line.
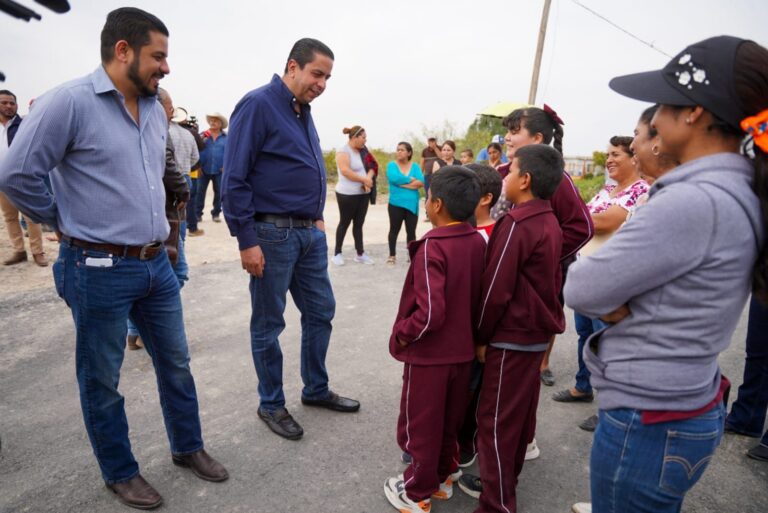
x=146, y=252
x=284, y=221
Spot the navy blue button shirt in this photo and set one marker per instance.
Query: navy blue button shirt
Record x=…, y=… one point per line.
x=272, y=163
x=212, y=156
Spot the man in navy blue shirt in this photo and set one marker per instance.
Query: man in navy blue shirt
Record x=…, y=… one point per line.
x=274, y=188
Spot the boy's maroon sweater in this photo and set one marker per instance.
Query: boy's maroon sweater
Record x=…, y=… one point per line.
x=571, y=212
x=522, y=278
x=438, y=306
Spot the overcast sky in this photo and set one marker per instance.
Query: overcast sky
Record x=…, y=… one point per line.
x=401, y=66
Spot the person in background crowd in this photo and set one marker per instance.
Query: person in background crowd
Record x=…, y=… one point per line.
x=118, y=266
x=212, y=162
x=9, y=125
x=405, y=180
x=177, y=195
x=494, y=155
x=352, y=194
x=466, y=157
x=447, y=151
x=482, y=157
x=609, y=210
x=747, y=417
x=189, y=123
x=692, y=254
x=428, y=156
x=274, y=194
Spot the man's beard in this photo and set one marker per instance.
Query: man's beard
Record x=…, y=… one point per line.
x=133, y=76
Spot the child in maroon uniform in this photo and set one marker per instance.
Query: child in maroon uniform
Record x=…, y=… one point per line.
x=434, y=337
x=519, y=313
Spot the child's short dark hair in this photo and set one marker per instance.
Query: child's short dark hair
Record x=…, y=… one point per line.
x=459, y=188
x=469, y=152
x=490, y=180
x=544, y=165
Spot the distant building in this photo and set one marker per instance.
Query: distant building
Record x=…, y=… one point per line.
x=579, y=166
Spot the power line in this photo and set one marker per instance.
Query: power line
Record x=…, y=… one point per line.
x=630, y=34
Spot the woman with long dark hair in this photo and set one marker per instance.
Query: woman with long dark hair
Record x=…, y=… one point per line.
x=695, y=252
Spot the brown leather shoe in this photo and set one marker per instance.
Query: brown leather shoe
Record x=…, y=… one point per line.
x=134, y=342
x=17, y=258
x=202, y=465
x=40, y=260
x=196, y=233
x=136, y=493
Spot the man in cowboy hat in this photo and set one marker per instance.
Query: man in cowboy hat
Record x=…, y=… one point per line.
x=212, y=164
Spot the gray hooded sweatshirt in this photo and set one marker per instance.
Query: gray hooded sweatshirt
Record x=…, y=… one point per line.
x=683, y=265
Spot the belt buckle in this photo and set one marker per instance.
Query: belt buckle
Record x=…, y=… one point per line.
x=148, y=248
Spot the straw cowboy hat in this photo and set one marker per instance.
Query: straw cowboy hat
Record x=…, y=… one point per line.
x=220, y=117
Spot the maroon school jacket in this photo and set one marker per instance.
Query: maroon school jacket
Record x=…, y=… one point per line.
x=571, y=212
x=522, y=278
x=438, y=306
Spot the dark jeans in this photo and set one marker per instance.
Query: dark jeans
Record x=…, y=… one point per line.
x=192, y=207
x=637, y=467
x=101, y=300
x=296, y=260
x=202, y=189
x=585, y=327
x=748, y=412
x=352, y=209
x=396, y=217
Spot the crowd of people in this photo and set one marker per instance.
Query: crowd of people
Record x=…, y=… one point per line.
x=657, y=266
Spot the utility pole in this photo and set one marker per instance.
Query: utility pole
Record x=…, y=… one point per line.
x=539, y=51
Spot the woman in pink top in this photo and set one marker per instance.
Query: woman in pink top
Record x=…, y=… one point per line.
x=609, y=209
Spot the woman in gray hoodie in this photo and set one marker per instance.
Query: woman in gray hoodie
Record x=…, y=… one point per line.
x=692, y=250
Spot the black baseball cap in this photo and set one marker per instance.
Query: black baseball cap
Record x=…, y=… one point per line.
x=702, y=74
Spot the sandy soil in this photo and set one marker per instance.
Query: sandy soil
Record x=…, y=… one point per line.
x=215, y=246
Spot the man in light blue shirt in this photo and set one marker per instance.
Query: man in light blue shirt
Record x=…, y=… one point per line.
x=105, y=136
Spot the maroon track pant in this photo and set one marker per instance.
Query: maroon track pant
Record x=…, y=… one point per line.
x=432, y=408
x=506, y=419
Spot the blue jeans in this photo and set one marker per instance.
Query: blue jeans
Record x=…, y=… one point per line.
x=649, y=468
x=748, y=412
x=181, y=270
x=296, y=260
x=101, y=299
x=202, y=189
x=192, y=206
x=585, y=327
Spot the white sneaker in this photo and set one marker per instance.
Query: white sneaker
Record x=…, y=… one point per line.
x=363, y=259
x=445, y=491
x=394, y=489
x=582, y=507
x=532, y=451
x=338, y=259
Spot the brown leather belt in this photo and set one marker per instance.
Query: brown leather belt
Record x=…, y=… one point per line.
x=284, y=221
x=147, y=252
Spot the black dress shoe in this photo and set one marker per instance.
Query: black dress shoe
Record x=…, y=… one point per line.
x=547, y=377
x=202, y=465
x=565, y=396
x=758, y=452
x=333, y=402
x=136, y=493
x=281, y=422
x=589, y=424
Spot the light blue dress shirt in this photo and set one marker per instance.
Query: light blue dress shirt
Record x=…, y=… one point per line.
x=106, y=169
